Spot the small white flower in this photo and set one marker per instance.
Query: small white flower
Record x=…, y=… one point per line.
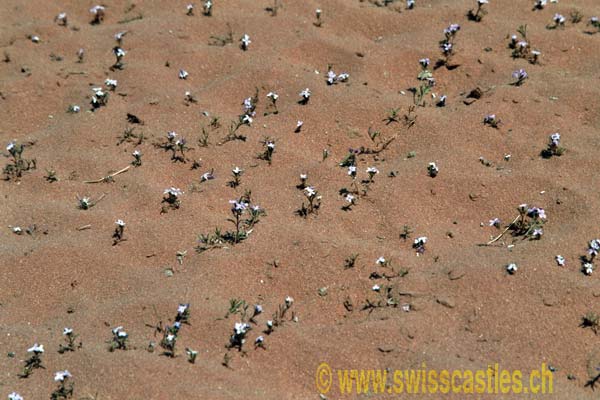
x=173, y=191
x=372, y=171
x=237, y=171
x=305, y=94
x=60, y=376
x=406, y=307
x=117, y=330
x=10, y=146
x=560, y=260
x=271, y=145
x=111, y=83
x=273, y=96
x=120, y=35
x=207, y=176
x=495, y=222
x=120, y=223
x=136, y=153
x=259, y=340
x=588, y=268
x=381, y=261
x=376, y=288
x=303, y=177
x=511, y=268
x=67, y=331
x=241, y=328
x=96, y=9
x=318, y=12
x=122, y=334
x=343, y=77
x=245, y=41
x=17, y=230
x=258, y=309
x=189, y=7
x=36, y=348
x=35, y=39
x=289, y=301
x=119, y=52
x=182, y=308
x=246, y=119
x=15, y=396
x=350, y=198
x=310, y=191
x=269, y=324
x=352, y=170
x=170, y=337
x=183, y=74
x=299, y=124
x=331, y=77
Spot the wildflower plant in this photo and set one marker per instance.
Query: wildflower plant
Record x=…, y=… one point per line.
x=272, y=105
x=268, y=150
x=244, y=216
x=99, y=98
x=245, y=42
x=236, y=174
x=65, y=386
x=119, y=54
x=520, y=76
x=594, y=22
x=34, y=361
x=237, y=340
x=559, y=21
x=171, y=199
x=304, y=96
x=419, y=244
x=477, y=14
x=491, y=120
x=207, y=8
x=119, y=233
x=98, y=13
x=319, y=20
x=432, y=169
x=137, y=158
x=17, y=164
x=313, y=202
x=447, y=46
x=554, y=148
x=120, y=339
x=70, y=338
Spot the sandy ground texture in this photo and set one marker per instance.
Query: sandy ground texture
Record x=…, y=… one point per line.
x=452, y=307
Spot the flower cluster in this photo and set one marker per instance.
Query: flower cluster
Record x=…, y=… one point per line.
x=119, y=339
x=171, y=198
x=332, y=78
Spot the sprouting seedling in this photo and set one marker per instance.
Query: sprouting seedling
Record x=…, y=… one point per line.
x=223, y=40
x=478, y=14
x=191, y=355
x=392, y=116
x=511, y=268
x=318, y=14
x=70, y=338
x=51, y=175
x=237, y=306
x=304, y=96
x=419, y=244
x=65, y=386
x=171, y=198
x=268, y=150
x=554, y=148
x=120, y=339
x=237, y=340
x=61, y=19
x=17, y=165
x=236, y=173
x=80, y=55
x=189, y=10
x=272, y=105
x=99, y=98
x=432, y=169
x=575, y=16
x=245, y=42
x=520, y=75
x=491, y=120
x=119, y=54
x=34, y=361
x=314, y=202
x=350, y=261
x=137, y=158
x=278, y=318
x=559, y=21
x=207, y=8
x=118, y=235
x=97, y=14
x=406, y=232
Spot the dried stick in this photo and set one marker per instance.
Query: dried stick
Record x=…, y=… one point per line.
x=108, y=178
x=503, y=232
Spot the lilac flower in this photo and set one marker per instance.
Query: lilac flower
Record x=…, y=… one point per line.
x=559, y=19
x=259, y=341
x=15, y=396
x=183, y=74
x=520, y=75
x=207, y=176
x=305, y=94
x=171, y=135
x=446, y=48
x=489, y=119
x=190, y=9
x=451, y=30
x=555, y=139
x=238, y=207
x=419, y=244
x=536, y=212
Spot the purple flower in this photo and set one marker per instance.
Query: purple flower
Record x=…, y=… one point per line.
x=520, y=75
